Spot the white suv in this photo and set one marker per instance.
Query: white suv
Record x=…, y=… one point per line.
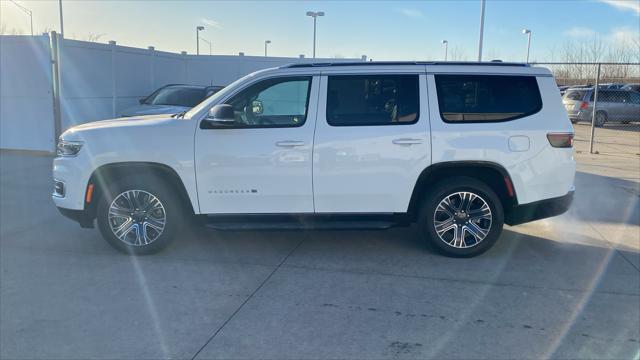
x=458, y=148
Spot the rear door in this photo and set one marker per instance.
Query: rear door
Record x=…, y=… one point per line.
x=633, y=106
x=371, y=141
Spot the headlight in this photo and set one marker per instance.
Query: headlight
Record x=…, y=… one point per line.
x=68, y=148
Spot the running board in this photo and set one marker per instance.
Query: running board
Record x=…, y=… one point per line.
x=292, y=222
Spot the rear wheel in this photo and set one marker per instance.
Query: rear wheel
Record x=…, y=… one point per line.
x=461, y=217
x=139, y=215
x=601, y=118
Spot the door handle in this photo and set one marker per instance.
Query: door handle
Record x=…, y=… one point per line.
x=289, y=143
x=407, y=141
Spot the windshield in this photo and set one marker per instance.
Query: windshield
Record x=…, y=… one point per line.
x=177, y=96
x=213, y=98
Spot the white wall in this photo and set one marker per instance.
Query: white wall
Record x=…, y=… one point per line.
x=101, y=80
x=26, y=100
x=98, y=81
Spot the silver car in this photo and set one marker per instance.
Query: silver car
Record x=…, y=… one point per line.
x=613, y=105
x=171, y=99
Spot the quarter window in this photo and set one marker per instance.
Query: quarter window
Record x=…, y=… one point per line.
x=359, y=100
x=487, y=98
x=280, y=102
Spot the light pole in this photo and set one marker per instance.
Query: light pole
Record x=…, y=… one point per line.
x=314, y=15
x=446, y=48
x=26, y=11
x=266, y=42
x=198, y=29
x=528, y=33
x=481, y=30
x=208, y=42
x=61, y=21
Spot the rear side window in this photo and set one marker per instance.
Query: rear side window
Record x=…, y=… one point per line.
x=359, y=100
x=487, y=98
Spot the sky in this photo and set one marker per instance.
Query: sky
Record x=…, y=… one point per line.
x=382, y=30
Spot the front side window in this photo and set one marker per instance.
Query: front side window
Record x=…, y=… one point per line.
x=279, y=102
x=358, y=100
x=487, y=98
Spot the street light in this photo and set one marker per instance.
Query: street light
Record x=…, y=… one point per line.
x=208, y=42
x=266, y=42
x=26, y=11
x=528, y=33
x=314, y=15
x=481, y=30
x=446, y=48
x=198, y=29
x=61, y=20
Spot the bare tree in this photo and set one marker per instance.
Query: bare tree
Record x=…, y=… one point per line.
x=93, y=37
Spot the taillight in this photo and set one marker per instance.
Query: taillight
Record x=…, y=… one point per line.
x=560, y=140
x=584, y=105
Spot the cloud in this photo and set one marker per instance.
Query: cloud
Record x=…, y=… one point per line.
x=211, y=23
x=624, y=35
x=579, y=32
x=617, y=35
x=412, y=13
x=625, y=5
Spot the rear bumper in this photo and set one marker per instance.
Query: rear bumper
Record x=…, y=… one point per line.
x=80, y=216
x=580, y=116
x=543, y=209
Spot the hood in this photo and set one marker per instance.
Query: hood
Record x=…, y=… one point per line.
x=138, y=121
x=145, y=109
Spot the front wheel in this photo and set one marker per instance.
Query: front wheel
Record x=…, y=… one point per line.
x=139, y=215
x=461, y=217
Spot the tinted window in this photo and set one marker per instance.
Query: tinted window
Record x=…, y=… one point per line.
x=356, y=100
x=177, y=96
x=576, y=95
x=279, y=102
x=605, y=96
x=478, y=98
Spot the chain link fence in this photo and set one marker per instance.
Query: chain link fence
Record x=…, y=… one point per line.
x=603, y=102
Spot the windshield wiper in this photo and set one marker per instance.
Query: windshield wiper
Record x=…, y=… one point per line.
x=179, y=115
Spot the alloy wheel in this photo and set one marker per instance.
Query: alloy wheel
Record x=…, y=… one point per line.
x=462, y=219
x=137, y=217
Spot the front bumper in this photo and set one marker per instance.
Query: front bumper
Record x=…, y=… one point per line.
x=81, y=216
x=543, y=209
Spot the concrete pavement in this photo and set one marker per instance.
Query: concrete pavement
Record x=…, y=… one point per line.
x=567, y=287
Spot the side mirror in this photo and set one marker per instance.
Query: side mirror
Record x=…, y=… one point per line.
x=221, y=114
x=141, y=101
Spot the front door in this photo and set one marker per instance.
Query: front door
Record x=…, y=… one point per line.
x=261, y=163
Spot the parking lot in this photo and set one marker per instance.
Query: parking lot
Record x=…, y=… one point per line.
x=567, y=287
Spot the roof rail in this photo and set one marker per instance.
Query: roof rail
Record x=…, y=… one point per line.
x=390, y=63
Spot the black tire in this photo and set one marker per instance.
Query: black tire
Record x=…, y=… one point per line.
x=601, y=118
x=446, y=188
x=172, y=209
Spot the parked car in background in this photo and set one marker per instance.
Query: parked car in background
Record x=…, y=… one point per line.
x=613, y=105
x=612, y=86
x=632, y=87
x=563, y=89
x=171, y=99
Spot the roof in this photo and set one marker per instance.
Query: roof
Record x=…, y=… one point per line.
x=396, y=63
